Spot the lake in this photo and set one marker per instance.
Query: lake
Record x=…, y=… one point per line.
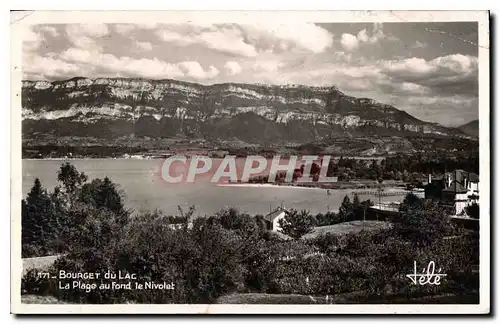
x=145, y=190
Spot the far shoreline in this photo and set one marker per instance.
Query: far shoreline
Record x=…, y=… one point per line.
x=387, y=187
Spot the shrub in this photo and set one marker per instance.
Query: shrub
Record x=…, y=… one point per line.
x=296, y=224
x=33, y=283
x=422, y=223
x=473, y=210
x=40, y=225
x=329, y=218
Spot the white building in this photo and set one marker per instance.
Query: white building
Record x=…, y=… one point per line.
x=457, y=194
x=472, y=186
x=459, y=187
x=272, y=219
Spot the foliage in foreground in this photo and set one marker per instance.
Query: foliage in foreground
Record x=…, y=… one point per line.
x=231, y=252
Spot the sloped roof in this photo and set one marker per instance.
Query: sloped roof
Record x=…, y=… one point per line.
x=460, y=175
x=473, y=177
x=455, y=187
x=272, y=216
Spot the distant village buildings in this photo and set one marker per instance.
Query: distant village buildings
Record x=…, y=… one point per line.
x=458, y=188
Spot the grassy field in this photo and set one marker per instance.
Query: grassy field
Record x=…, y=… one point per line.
x=260, y=298
x=357, y=297
x=348, y=228
x=40, y=263
x=35, y=299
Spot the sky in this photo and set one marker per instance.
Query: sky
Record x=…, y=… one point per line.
x=430, y=70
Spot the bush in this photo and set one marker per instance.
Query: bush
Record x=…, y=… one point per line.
x=203, y=262
x=50, y=220
x=33, y=283
x=327, y=243
x=232, y=252
x=422, y=222
x=329, y=218
x=40, y=225
x=297, y=224
x=473, y=211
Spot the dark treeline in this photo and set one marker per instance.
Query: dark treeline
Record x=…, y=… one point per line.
x=408, y=168
x=60, y=151
x=401, y=167
x=232, y=252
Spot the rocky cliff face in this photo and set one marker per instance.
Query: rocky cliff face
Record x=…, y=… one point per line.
x=167, y=108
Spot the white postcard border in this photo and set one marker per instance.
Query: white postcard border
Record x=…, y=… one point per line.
x=19, y=21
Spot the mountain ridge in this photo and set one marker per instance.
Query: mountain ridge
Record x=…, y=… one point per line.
x=253, y=113
x=471, y=128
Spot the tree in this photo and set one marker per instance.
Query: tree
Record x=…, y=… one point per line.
x=356, y=204
x=422, y=223
x=329, y=218
x=38, y=226
x=345, y=209
x=70, y=177
x=296, y=224
x=104, y=194
x=232, y=219
x=473, y=210
x=53, y=222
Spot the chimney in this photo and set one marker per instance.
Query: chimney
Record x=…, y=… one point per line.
x=448, y=177
x=465, y=182
x=429, y=180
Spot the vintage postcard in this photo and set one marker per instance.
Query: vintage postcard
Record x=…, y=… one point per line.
x=250, y=162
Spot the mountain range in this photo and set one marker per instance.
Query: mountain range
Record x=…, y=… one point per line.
x=115, y=108
x=471, y=128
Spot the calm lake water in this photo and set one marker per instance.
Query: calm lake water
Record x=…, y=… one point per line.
x=145, y=190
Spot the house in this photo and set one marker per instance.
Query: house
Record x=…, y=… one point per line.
x=272, y=219
x=458, y=188
x=457, y=194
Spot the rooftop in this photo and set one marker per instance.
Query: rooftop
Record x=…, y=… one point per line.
x=272, y=215
x=455, y=187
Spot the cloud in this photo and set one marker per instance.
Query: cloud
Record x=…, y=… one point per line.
x=305, y=36
x=31, y=40
x=47, y=68
x=249, y=40
x=81, y=62
x=363, y=36
x=127, y=29
x=419, y=44
x=378, y=35
x=233, y=67
x=147, y=46
x=349, y=42
x=94, y=30
x=124, y=29
x=267, y=65
x=130, y=67
x=196, y=71
x=413, y=88
x=451, y=74
x=49, y=30
x=85, y=35
x=224, y=40
x=445, y=65
x=76, y=55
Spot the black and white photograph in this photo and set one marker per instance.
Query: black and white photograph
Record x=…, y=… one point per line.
x=252, y=162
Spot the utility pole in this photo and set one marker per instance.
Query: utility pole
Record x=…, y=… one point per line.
x=379, y=194
x=365, y=206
